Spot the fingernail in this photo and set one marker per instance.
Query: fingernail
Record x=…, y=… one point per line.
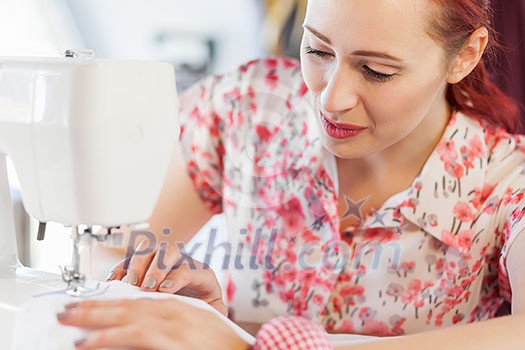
x=111, y=276
x=133, y=278
x=166, y=284
x=71, y=306
x=63, y=315
x=150, y=282
x=79, y=342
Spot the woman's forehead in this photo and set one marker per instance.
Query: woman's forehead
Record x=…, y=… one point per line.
x=398, y=25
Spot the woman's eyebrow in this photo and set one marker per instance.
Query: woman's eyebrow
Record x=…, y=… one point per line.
x=355, y=53
x=377, y=54
x=317, y=34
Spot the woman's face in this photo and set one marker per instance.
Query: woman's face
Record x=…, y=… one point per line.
x=377, y=78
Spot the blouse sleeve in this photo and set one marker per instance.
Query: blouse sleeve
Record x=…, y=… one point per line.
x=201, y=140
x=513, y=208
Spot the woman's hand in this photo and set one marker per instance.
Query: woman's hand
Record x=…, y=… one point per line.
x=166, y=269
x=149, y=324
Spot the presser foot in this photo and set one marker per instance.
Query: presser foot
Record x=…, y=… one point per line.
x=76, y=284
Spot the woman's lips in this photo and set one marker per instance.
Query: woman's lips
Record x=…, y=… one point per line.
x=340, y=131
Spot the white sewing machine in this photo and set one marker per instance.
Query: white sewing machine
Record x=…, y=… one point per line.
x=91, y=141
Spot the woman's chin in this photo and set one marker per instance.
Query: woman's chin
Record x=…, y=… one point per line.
x=343, y=151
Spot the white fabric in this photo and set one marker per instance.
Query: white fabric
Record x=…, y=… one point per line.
x=36, y=326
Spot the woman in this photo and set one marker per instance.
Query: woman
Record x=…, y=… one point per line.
x=382, y=196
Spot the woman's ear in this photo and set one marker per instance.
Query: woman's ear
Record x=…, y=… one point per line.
x=469, y=56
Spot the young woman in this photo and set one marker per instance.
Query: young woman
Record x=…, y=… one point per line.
x=376, y=188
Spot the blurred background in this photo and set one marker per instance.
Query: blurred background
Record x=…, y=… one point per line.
x=198, y=37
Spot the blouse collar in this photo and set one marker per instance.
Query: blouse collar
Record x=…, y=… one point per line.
x=440, y=200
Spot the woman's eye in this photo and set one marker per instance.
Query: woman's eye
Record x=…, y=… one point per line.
x=378, y=76
x=311, y=51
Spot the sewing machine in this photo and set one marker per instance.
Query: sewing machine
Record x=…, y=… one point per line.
x=91, y=142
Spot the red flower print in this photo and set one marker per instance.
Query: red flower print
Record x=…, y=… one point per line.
x=264, y=133
x=481, y=195
x=309, y=236
x=346, y=327
x=230, y=290
x=395, y=290
x=517, y=214
x=467, y=163
x=330, y=324
x=303, y=90
x=244, y=67
x=381, y=234
x=491, y=205
x=289, y=62
x=289, y=275
x=464, y=239
x=407, y=267
x=397, y=323
x=318, y=299
x=316, y=208
x=270, y=222
x=345, y=276
x=288, y=296
x=522, y=142
x=419, y=304
x=448, y=238
x=410, y=295
x=367, y=313
x=289, y=103
x=337, y=303
x=476, y=147
x=428, y=284
x=272, y=79
x=375, y=327
x=457, y=318
x=232, y=95
x=454, y=169
x=292, y=215
x=268, y=279
x=447, y=151
x=306, y=277
x=349, y=291
x=291, y=256
x=271, y=63
x=463, y=213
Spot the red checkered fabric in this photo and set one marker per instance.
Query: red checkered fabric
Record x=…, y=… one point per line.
x=291, y=333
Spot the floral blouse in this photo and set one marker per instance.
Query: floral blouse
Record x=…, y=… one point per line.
x=433, y=255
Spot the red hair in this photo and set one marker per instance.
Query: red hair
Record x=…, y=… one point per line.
x=476, y=94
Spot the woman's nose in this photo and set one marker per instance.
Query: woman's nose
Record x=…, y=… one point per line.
x=339, y=94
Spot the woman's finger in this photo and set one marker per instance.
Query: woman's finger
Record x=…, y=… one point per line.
x=194, y=282
x=166, y=257
x=177, y=279
x=149, y=324
x=140, y=262
x=119, y=270
x=133, y=336
x=93, y=314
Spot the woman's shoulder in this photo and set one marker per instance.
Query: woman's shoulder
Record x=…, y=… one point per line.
x=502, y=144
x=255, y=79
x=272, y=63
x=505, y=156
x=266, y=74
x=480, y=147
